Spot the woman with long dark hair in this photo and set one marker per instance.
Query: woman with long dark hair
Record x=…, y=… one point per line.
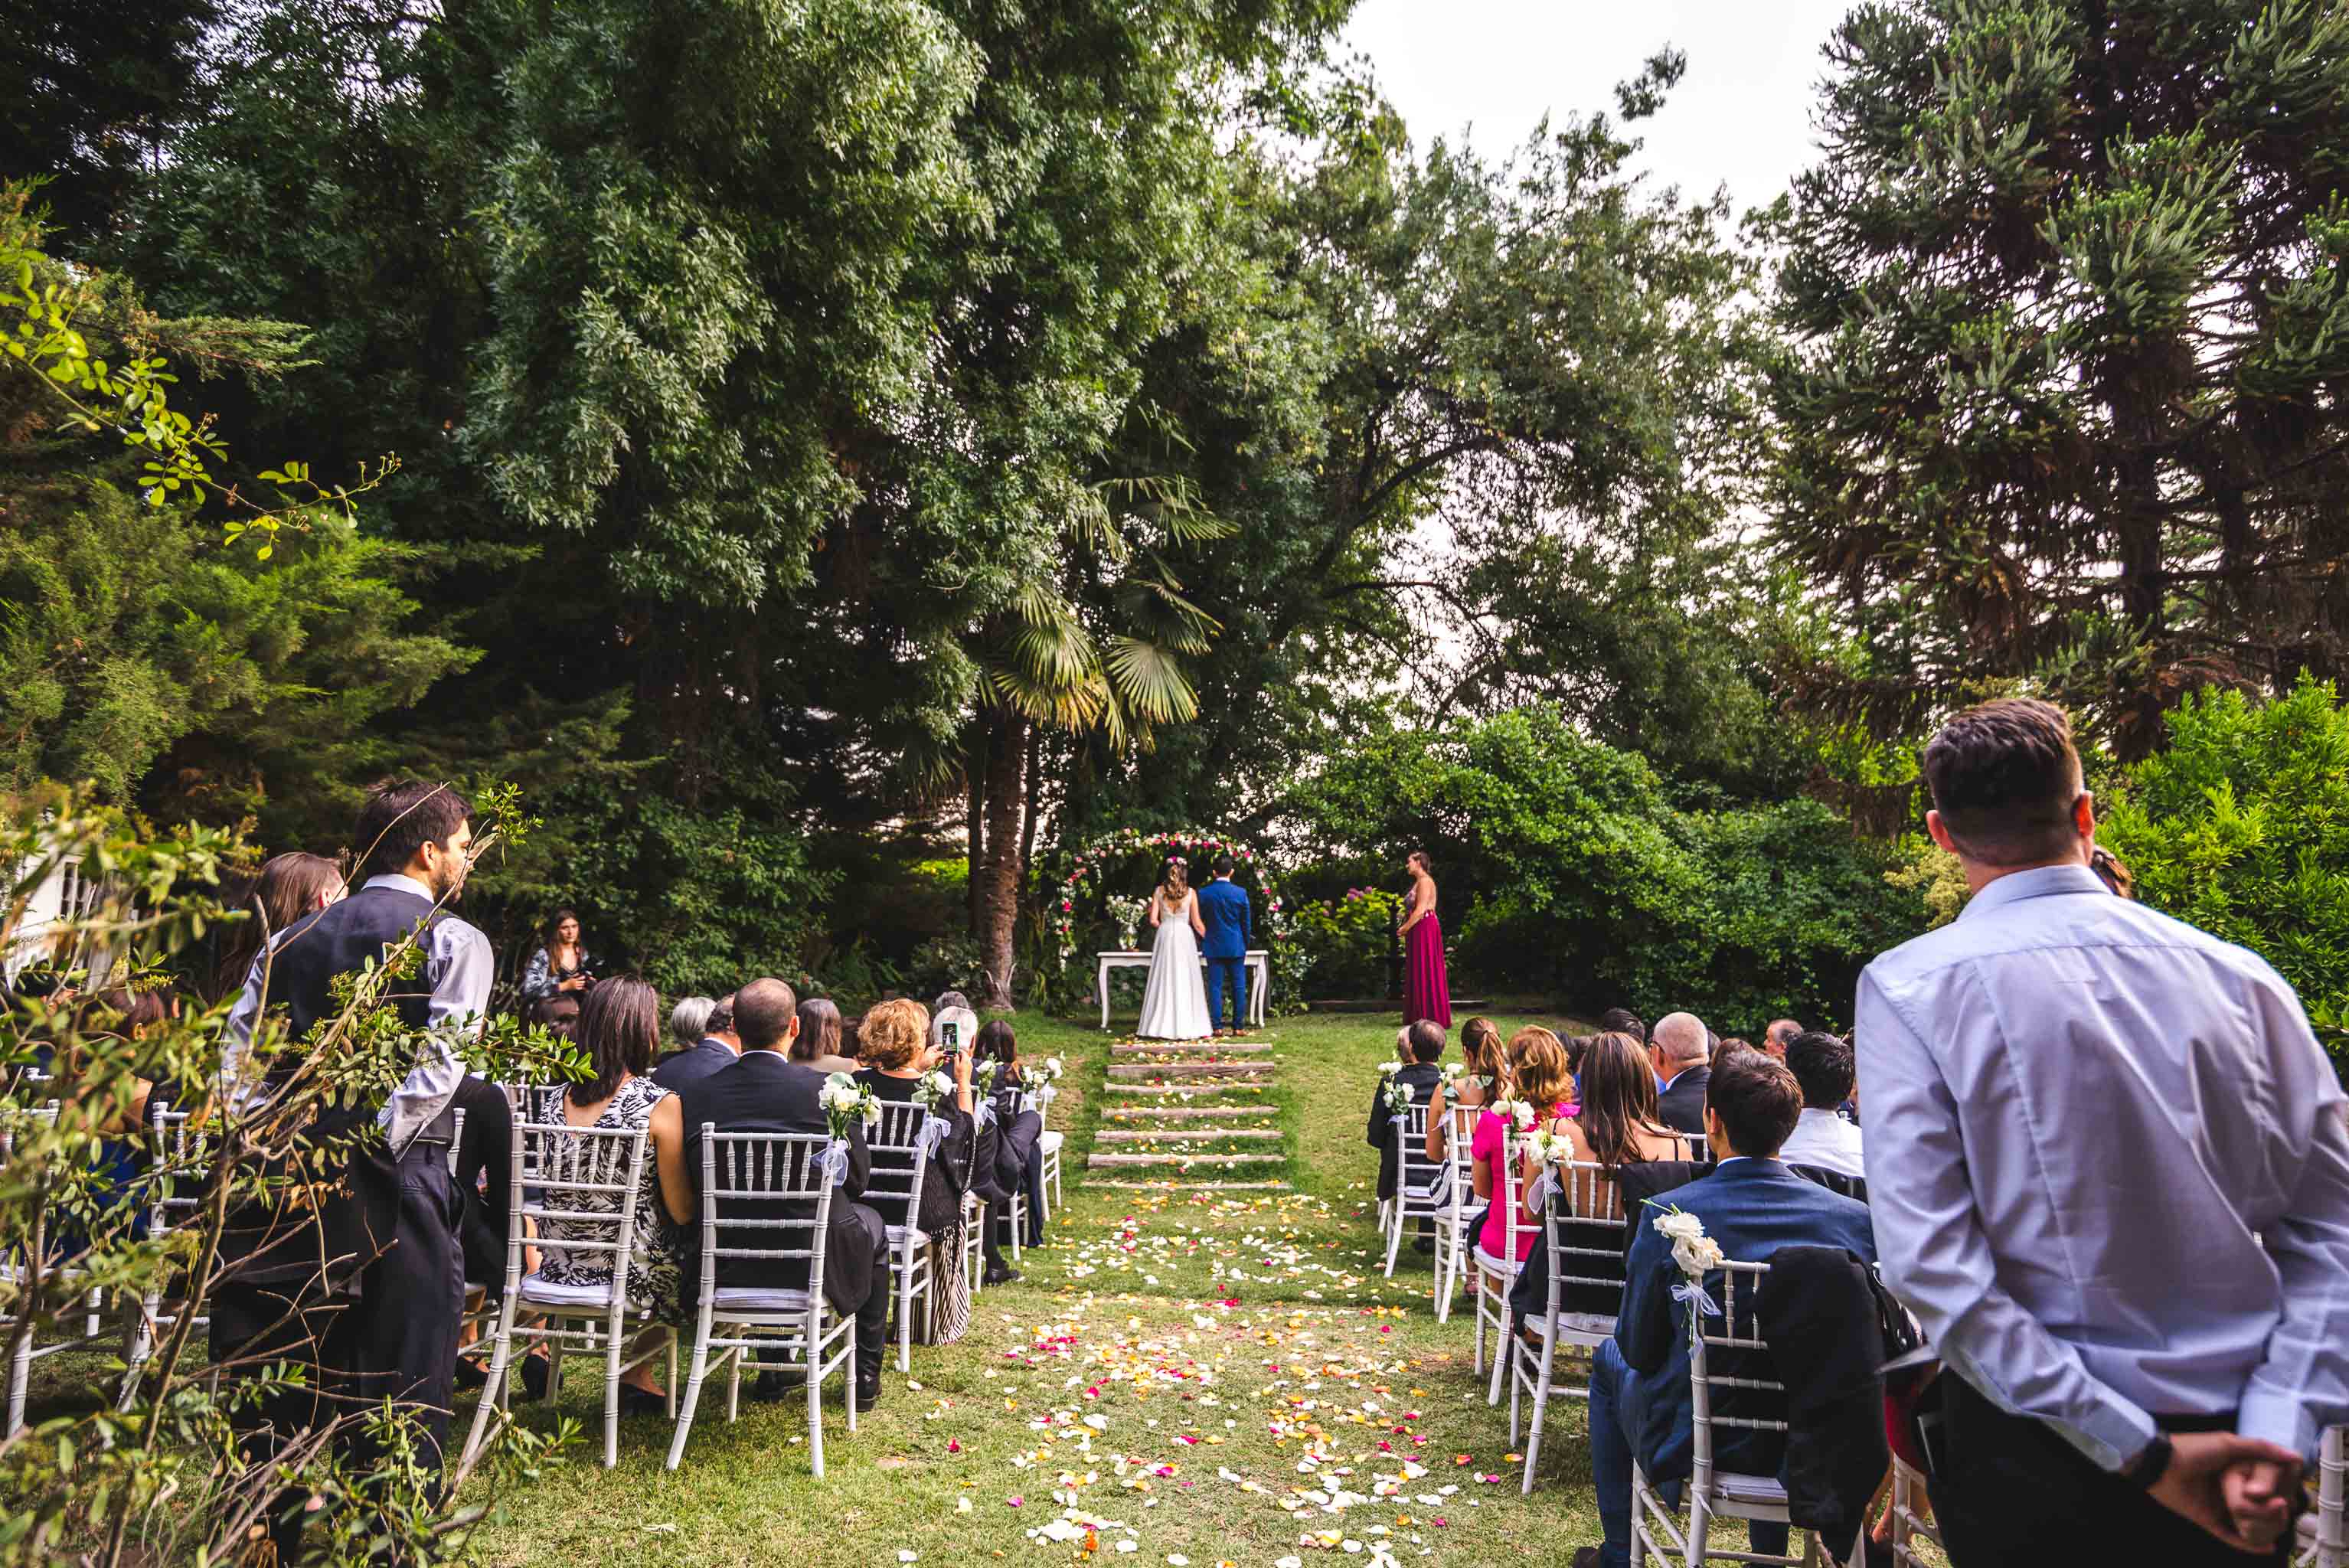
x=620, y=1029
x=561, y=967
x=1426, y=989
x=1018, y=1160
x=817, y=1045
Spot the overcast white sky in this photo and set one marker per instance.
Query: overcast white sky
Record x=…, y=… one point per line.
x=1741, y=115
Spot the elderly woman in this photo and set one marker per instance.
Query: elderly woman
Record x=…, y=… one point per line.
x=687, y=1020
x=894, y=1040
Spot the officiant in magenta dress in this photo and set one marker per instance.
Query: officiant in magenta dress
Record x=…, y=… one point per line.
x=1175, y=1005
x=1426, y=991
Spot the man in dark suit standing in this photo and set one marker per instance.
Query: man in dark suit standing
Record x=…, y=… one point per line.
x=766, y=1092
x=1753, y=1205
x=1224, y=909
x=719, y=1048
x=1682, y=1046
x=1421, y=1048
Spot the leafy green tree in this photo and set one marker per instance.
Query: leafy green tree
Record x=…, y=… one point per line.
x=2065, y=307
x=2241, y=826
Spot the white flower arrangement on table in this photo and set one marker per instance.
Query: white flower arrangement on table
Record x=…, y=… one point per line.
x=1127, y=911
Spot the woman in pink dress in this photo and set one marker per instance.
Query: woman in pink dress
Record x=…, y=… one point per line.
x=1426, y=993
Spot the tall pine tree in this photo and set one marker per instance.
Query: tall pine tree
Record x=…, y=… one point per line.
x=2062, y=397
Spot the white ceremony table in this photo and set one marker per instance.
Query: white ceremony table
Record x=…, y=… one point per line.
x=1259, y=974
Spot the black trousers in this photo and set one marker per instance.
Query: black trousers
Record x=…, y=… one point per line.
x=392, y=1335
x=873, y=1312
x=2010, y=1493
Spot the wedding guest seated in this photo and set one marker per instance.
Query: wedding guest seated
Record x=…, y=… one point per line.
x=619, y=1024
x=766, y=1092
x=1019, y=1156
x=818, y=1045
x=1822, y=1065
x=1682, y=1046
x=717, y=1049
x=1480, y=1058
x=1753, y=1205
x=1537, y=1077
x=1615, y=1124
x=688, y=1020
x=898, y=1055
x=560, y=968
x=1623, y=1021
x=1779, y=1036
x=1420, y=1048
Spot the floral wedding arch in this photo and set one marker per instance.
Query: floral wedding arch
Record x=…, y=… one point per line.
x=1083, y=884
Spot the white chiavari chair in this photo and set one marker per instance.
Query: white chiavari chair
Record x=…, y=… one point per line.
x=1453, y=1241
x=1423, y=1186
x=1496, y=1275
x=901, y=1160
x=1731, y=1339
x=174, y=1199
x=1582, y=1232
x=2324, y=1529
x=38, y=1260
x=772, y=1185
x=558, y=1170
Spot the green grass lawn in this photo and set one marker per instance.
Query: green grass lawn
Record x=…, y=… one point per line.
x=1193, y=1372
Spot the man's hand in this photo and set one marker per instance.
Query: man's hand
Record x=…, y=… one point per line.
x=2237, y=1489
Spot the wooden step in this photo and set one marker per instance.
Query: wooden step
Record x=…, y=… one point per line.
x=1138, y=1071
x=1186, y=1089
x=1191, y=1048
x=1188, y=1135
x=1215, y=1186
x=1102, y=1161
x=1187, y=1112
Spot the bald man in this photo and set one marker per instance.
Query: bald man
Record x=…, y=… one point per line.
x=1681, y=1046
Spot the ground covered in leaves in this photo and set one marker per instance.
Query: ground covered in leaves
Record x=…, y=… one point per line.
x=1188, y=1377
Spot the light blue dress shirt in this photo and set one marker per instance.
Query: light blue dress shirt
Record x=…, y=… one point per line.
x=458, y=966
x=2108, y=1168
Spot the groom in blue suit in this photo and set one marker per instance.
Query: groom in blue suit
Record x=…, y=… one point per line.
x=1224, y=910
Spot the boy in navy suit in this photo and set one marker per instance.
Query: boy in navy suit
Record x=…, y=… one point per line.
x=1224, y=910
x=1753, y=1204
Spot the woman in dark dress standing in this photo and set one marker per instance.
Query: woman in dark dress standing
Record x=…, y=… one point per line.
x=1426, y=992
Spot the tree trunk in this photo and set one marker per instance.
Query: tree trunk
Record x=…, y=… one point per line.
x=1000, y=867
x=1032, y=810
x=974, y=772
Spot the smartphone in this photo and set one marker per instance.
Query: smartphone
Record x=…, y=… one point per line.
x=952, y=1032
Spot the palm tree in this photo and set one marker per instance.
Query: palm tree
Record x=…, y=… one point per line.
x=1101, y=647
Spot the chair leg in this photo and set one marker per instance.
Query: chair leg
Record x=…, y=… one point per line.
x=904, y=1318
x=1394, y=1236
x=1541, y=1409
x=1502, y=1354
x=1477, y=1285
x=141, y=1346
x=692, y=1389
x=611, y=1397
x=493, y=1392
x=734, y=1386
x=1700, y=1525
x=669, y=1382
x=815, y=1409
x=1019, y=1224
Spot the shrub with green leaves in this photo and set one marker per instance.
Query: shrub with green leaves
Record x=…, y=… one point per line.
x=1347, y=940
x=2242, y=826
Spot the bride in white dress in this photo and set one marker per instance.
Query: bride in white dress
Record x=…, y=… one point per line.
x=1174, y=1006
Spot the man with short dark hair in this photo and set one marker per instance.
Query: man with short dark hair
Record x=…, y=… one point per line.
x=1822, y=1139
x=2107, y=1163
x=768, y=1092
x=1753, y=1205
x=1230, y=920
x=367, y=1286
x=1681, y=1048
x=1420, y=1050
x=719, y=1048
x=1779, y=1036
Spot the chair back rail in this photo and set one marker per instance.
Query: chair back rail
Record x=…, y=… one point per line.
x=1414, y=1171
x=1585, y=1196
x=768, y=1182
x=900, y=1162
x=1734, y=1343
x=554, y=1165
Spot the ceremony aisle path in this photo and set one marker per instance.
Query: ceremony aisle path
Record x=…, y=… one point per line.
x=1192, y=1373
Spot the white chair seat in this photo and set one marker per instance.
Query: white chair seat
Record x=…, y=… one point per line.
x=1752, y=1490
x=543, y=1291
x=1598, y=1324
x=1496, y=1266
x=757, y=1298
x=1049, y=1141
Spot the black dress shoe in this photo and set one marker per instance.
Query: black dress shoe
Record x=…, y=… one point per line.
x=868, y=1394
x=778, y=1385
x=534, y=1369
x=1006, y=1274
x=1585, y=1557
x=472, y=1373
x=635, y=1401
x=1425, y=1244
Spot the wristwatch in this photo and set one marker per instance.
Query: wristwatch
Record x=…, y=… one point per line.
x=2149, y=1464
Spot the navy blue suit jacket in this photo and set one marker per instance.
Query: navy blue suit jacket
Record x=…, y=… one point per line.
x=1224, y=909
x=1752, y=1207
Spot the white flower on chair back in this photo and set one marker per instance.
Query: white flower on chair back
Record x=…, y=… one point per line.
x=1520, y=1113
x=1398, y=1097
x=1388, y=1069
x=933, y=1090
x=1697, y=1254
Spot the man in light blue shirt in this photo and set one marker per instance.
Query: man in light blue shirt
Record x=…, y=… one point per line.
x=2109, y=1171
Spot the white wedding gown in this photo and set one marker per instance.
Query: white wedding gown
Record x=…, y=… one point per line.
x=1174, y=1006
